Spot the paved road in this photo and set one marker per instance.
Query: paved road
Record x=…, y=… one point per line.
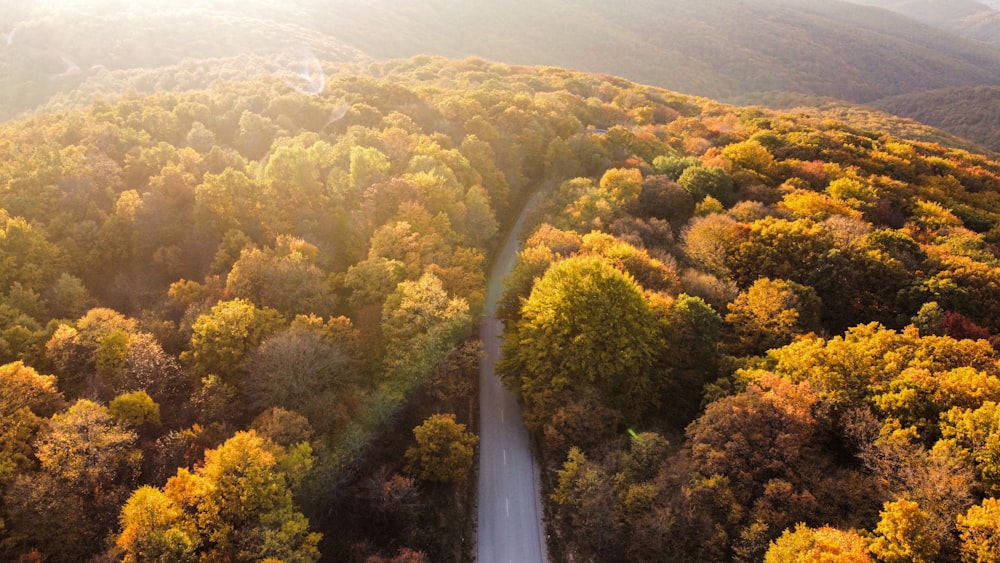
x=510, y=528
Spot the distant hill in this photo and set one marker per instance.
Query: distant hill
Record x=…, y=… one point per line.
x=979, y=21
x=932, y=12
x=715, y=48
x=971, y=112
x=53, y=51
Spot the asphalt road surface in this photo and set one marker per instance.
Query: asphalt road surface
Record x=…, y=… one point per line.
x=510, y=528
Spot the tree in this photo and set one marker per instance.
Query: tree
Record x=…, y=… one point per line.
x=420, y=318
x=255, y=134
x=975, y=435
x=237, y=506
x=590, y=514
x=709, y=240
x=147, y=367
x=691, y=355
x=623, y=185
x=135, y=409
x=979, y=529
x=710, y=181
x=88, y=464
x=26, y=398
x=444, y=450
x=770, y=314
x=821, y=545
x=585, y=324
x=648, y=272
x=754, y=436
x=903, y=535
x=285, y=278
x=297, y=369
x=750, y=156
x=283, y=427
x=153, y=529
x=223, y=338
x=90, y=353
x=664, y=198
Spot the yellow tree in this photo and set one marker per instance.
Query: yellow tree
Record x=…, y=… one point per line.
x=771, y=313
x=444, y=450
x=236, y=506
x=821, y=545
x=979, y=529
x=903, y=534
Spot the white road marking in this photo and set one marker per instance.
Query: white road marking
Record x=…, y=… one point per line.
x=508, y=506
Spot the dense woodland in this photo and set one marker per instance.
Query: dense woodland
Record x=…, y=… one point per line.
x=236, y=323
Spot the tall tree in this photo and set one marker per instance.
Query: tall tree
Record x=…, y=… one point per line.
x=585, y=324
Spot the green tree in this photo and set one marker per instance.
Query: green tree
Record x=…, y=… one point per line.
x=135, y=409
x=256, y=134
x=710, y=181
x=222, y=339
x=585, y=324
x=368, y=166
x=420, y=318
x=27, y=255
x=691, y=355
x=444, y=451
x=373, y=279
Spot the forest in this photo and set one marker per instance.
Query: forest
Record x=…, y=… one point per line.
x=239, y=323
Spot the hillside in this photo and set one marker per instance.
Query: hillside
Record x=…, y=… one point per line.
x=978, y=21
x=234, y=319
x=970, y=112
x=716, y=48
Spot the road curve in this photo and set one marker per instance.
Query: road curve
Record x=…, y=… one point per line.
x=510, y=528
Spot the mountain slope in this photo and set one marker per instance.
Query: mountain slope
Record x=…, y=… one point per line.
x=717, y=48
x=971, y=112
x=967, y=18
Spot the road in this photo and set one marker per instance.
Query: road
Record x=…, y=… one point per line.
x=510, y=528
